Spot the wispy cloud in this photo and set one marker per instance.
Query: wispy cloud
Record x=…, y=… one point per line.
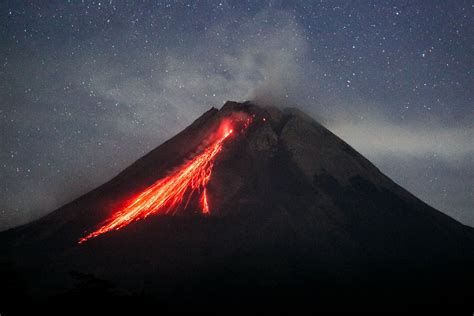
x=249, y=60
x=378, y=138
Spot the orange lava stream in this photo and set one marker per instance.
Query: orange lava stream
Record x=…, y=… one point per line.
x=204, y=203
x=168, y=193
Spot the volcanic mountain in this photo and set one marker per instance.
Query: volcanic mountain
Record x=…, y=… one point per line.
x=247, y=205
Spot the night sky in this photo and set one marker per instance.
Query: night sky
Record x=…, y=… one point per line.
x=88, y=87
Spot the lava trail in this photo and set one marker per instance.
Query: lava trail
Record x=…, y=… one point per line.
x=168, y=193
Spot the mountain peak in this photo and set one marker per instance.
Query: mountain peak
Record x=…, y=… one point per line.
x=249, y=199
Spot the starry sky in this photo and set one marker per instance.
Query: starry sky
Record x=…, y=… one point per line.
x=88, y=87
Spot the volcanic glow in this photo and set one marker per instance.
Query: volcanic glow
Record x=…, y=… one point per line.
x=168, y=193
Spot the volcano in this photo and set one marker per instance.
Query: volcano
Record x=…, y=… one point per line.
x=248, y=206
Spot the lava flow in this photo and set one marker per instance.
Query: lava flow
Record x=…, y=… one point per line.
x=168, y=193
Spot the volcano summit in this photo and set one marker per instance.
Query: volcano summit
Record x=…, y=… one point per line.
x=248, y=205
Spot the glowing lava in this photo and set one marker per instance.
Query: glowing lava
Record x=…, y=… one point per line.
x=204, y=204
x=168, y=193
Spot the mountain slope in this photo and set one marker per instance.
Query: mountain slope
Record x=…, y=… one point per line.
x=296, y=213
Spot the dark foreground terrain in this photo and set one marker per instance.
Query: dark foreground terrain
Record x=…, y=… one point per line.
x=300, y=220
